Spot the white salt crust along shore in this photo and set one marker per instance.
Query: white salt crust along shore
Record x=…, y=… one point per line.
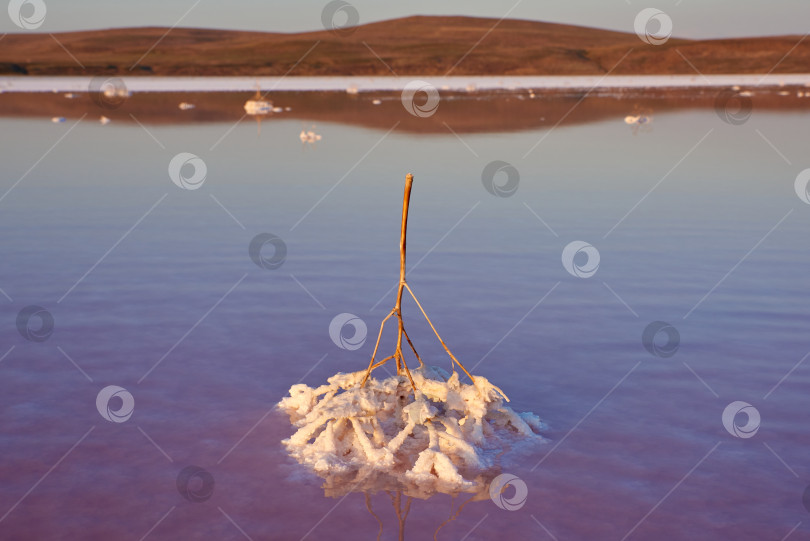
x=369, y=84
x=446, y=438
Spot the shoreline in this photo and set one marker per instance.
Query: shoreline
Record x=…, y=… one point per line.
x=463, y=83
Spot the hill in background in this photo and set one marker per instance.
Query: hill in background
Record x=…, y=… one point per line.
x=417, y=45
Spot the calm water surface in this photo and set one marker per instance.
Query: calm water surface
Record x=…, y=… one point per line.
x=151, y=288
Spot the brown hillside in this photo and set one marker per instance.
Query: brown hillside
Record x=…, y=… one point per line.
x=410, y=46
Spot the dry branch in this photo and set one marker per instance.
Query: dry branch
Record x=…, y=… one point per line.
x=397, y=309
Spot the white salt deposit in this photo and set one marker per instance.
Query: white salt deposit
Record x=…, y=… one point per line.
x=309, y=136
x=27, y=83
x=258, y=106
x=442, y=438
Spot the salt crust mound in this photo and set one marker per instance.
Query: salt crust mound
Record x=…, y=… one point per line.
x=442, y=439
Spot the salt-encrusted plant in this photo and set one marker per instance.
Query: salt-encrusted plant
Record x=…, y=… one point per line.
x=418, y=435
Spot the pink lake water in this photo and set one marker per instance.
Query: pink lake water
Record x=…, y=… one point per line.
x=151, y=288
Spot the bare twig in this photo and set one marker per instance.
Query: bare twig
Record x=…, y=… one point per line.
x=397, y=309
x=401, y=511
x=373, y=514
x=453, y=516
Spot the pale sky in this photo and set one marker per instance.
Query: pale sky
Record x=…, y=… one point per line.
x=691, y=18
